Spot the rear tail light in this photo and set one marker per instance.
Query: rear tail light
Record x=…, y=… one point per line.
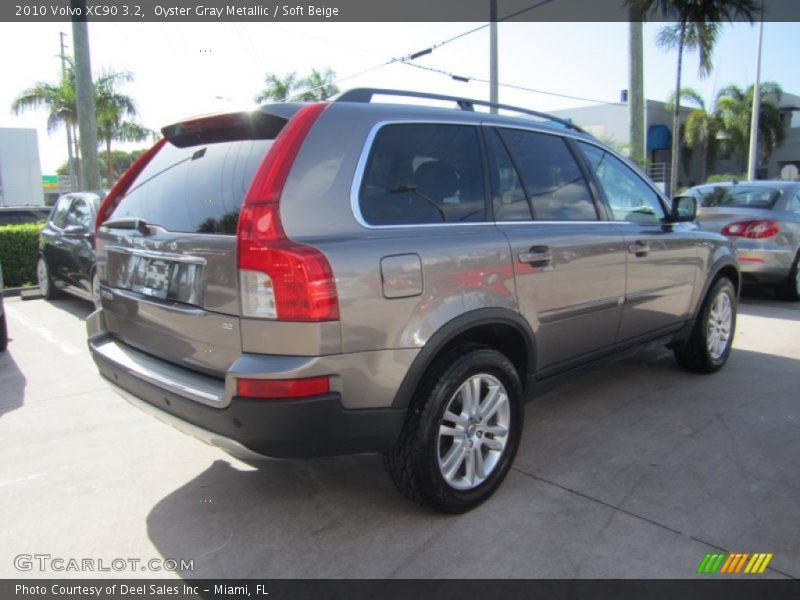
x=120, y=188
x=754, y=230
x=278, y=278
x=276, y=389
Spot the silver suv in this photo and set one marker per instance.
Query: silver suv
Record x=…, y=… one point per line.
x=357, y=276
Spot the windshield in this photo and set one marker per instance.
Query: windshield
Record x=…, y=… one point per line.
x=739, y=196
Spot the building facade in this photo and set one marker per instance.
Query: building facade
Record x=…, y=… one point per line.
x=20, y=173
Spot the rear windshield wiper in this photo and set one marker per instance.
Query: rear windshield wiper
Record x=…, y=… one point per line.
x=139, y=225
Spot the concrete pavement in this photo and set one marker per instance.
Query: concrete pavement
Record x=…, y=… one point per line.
x=634, y=470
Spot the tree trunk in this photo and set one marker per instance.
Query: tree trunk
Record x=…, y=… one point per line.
x=704, y=161
x=77, y=153
x=676, y=116
x=109, y=162
x=636, y=89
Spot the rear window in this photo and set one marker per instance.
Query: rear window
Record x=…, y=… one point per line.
x=739, y=196
x=197, y=189
x=424, y=174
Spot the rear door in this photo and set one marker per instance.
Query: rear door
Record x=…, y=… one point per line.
x=663, y=261
x=167, y=255
x=569, y=262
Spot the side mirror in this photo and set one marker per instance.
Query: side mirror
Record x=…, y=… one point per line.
x=684, y=209
x=76, y=231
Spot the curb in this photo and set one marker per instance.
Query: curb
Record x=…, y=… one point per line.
x=19, y=291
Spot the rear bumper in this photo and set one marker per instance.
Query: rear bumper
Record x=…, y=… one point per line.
x=252, y=429
x=764, y=264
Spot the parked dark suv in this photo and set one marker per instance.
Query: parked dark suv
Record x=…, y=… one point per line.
x=66, y=247
x=319, y=279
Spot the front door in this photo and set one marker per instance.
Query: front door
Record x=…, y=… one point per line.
x=662, y=259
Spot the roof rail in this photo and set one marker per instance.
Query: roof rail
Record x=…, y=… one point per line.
x=365, y=95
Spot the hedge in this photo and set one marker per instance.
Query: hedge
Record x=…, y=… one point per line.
x=19, y=249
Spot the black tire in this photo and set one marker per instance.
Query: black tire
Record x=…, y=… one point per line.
x=790, y=289
x=46, y=286
x=696, y=356
x=414, y=463
x=3, y=332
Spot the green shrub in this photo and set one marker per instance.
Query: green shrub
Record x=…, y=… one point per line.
x=723, y=177
x=19, y=249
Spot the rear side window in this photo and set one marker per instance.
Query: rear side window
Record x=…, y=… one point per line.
x=198, y=189
x=423, y=174
x=554, y=182
x=508, y=195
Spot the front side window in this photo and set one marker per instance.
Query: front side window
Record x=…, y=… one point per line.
x=79, y=214
x=553, y=181
x=423, y=174
x=630, y=198
x=60, y=211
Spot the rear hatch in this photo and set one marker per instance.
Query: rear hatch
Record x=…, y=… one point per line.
x=167, y=250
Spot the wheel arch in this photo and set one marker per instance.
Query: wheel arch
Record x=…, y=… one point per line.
x=502, y=329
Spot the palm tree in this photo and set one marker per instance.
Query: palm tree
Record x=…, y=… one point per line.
x=318, y=85
x=700, y=129
x=59, y=100
x=701, y=37
x=113, y=108
x=734, y=110
x=696, y=28
x=278, y=89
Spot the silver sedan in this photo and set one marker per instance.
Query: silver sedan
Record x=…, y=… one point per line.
x=762, y=219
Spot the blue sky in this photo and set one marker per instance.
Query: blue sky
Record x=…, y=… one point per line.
x=189, y=69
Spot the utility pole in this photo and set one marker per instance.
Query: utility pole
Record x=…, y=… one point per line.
x=752, y=160
x=636, y=91
x=493, y=75
x=70, y=160
x=84, y=92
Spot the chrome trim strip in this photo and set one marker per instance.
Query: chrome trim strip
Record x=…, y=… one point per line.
x=361, y=167
x=177, y=380
x=579, y=310
x=155, y=254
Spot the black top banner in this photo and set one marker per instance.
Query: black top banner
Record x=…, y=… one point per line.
x=209, y=11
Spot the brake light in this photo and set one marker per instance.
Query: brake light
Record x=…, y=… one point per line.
x=279, y=278
x=282, y=388
x=120, y=188
x=754, y=230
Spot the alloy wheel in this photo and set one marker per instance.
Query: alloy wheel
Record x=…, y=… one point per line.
x=718, y=331
x=474, y=431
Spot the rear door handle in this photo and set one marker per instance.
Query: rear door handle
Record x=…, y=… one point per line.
x=536, y=255
x=639, y=248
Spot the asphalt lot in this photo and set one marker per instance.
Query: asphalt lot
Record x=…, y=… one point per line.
x=634, y=470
